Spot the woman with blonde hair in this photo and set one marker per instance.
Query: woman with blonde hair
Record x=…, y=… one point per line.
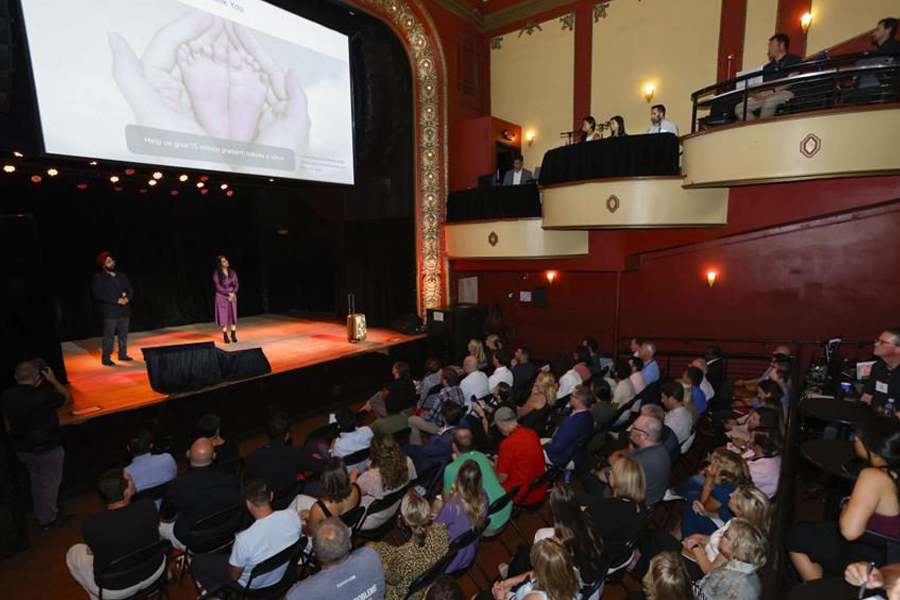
x=463, y=508
x=744, y=547
x=619, y=520
x=427, y=544
x=725, y=472
x=476, y=349
x=667, y=579
x=387, y=471
x=542, y=399
x=553, y=576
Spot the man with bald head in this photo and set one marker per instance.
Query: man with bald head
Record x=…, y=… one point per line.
x=475, y=383
x=705, y=384
x=200, y=492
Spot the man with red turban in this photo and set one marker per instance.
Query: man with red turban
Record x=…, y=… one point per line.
x=113, y=291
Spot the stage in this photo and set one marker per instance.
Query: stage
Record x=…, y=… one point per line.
x=288, y=343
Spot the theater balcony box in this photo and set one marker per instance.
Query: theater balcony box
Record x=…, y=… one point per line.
x=855, y=141
x=522, y=238
x=632, y=203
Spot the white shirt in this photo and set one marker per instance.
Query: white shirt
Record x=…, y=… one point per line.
x=517, y=177
x=712, y=547
x=707, y=388
x=665, y=126
x=353, y=441
x=680, y=421
x=474, y=384
x=624, y=392
x=264, y=539
x=567, y=383
x=501, y=374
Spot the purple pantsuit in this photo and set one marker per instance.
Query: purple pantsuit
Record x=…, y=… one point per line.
x=226, y=312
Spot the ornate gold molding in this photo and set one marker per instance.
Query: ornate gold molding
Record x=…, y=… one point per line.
x=495, y=42
x=529, y=28
x=568, y=22
x=600, y=11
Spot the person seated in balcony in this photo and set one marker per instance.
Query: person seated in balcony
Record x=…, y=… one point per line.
x=566, y=448
x=518, y=174
x=589, y=131
x=766, y=102
x=617, y=127
x=658, y=121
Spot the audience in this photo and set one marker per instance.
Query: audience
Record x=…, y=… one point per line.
x=603, y=411
x=388, y=470
x=724, y=474
x=543, y=396
x=427, y=417
x=744, y=547
x=715, y=370
x=667, y=579
x=617, y=127
x=271, y=532
x=438, y=449
x=708, y=391
x=475, y=383
x=339, y=495
x=517, y=175
x=658, y=121
x=521, y=458
x=279, y=462
x=200, y=492
x=597, y=363
x=693, y=377
x=619, y=519
x=444, y=588
x=344, y=574
x=464, y=452
x=637, y=375
x=476, y=350
x=209, y=427
x=502, y=374
x=428, y=542
x=884, y=377
x=492, y=343
x=583, y=363
x=767, y=101
x=351, y=439
x=122, y=528
x=678, y=417
x=624, y=390
x=148, y=470
x=569, y=378
x=589, y=131
x=392, y=404
x=463, y=507
x=553, y=575
x=567, y=448
x=650, y=370
x=523, y=369
x=432, y=378
x=669, y=439
x=645, y=437
x=763, y=456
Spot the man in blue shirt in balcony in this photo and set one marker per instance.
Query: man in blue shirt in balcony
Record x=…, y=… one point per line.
x=650, y=371
x=767, y=101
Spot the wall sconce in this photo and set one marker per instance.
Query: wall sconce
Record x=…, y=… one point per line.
x=805, y=22
x=711, y=277
x=508, y=135
x=529, y=137
x=551, y=275
x=649, y=90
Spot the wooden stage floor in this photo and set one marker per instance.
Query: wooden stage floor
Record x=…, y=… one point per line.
x=289, y=343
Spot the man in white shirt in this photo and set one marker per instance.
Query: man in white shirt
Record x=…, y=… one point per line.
x=569, y=381
x=501, y=373
x=658, y=121
x=518, y=175
x=271, y=532
x=475, y=383
x=705, y=385
x=350, y=438
x=678, y=416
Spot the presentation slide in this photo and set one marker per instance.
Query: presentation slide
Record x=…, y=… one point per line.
x=238, y=86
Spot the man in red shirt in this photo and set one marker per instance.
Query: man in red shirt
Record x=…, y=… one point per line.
x=521, y=458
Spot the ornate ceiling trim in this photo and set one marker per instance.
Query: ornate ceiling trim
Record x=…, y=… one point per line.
x=503, y=17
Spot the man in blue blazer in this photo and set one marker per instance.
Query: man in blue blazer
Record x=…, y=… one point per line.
x=569, y=443
x=439, y=448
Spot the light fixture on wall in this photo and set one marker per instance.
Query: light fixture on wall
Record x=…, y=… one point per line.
x=529, y=137
x=551, y=276
x=508, y=135
x=805, y=22
x=649, y=90
x=711, y=277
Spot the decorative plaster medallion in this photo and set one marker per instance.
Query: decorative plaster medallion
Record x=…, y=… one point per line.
x=568, y=22
x=612, y=203
x=600, y=11
x=810, y=145
x=493, y=238
x=529, y=28
x=495, y=42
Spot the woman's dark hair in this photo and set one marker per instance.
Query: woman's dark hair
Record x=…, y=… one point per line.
x=768, y=440
x=769, y=418
x=504, y=392
x=336, y=485
x=771, y=389
x=618, y=119
x=562, y=365
x=637, y=361
x=601, y=389
x=346, y=419
x=623, y=369
x=403, y=370
x=881, y=436
x=591, y=121
x=220, y=272
x=583, y=355
x=575, y=529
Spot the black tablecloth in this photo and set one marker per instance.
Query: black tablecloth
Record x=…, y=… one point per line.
x=514, y=201
x=630, y=156
x=189, y=367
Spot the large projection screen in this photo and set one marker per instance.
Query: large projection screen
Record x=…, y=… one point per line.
x=227, y=85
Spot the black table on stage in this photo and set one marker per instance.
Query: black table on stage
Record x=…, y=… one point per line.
x=630, y=156
x=827, y=588
x=512, y=201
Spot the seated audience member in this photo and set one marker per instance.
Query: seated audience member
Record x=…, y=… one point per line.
x=492, y=343
x=209, y=427
x=589, y=131
x=766, y=102
x=884, y=377
x=781, y=374
x=123, y=528
x=658, y=121
x=567, y=447
x=724, y=474
x=388, y=470
x=708, y=392
x=619, y=520
x=29, y=409
x=432, y=379
x=884, y=38
x=582, y=365
x=669, y=438
x=521, y=458
x=339, y=495
x=637, y=375
x=737, y=427
x=668, y=579
x=474, y=384
x=603, y=411
x=779, y=353
x=678, y=417
x=617, y=127
x=886, y=577
x=344, y=574
x=462, y=508
x=279, y=462
x=428, y=542
x=693, y=376
x=476, y=349
x=148, y=470
x=517, y=175
x=444, y=588
x=543, y=397
x=271, y=532
x=745, y=547
x=650, y=370
x=624, y=390
x=393, y=404
x=200, y=492
x=645, y=437
x=523, y=369
x=763, y=456
x=501, y=374
x=350, y=439
x=818, y=548
x=598, y=362
x=427, y=417
x=438, y=449
x=553, y=576
x=464, y=451
x=568, y=376
x=634, y=346
x=715, y=371
x=747, y=503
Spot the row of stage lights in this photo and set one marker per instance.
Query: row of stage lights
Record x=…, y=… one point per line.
x=203, y=182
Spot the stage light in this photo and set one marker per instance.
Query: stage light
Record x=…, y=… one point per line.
x=204, y=178
x=182, y=178
x=52, y=172
x=157, y=175
x=93, y=163
x=805, y=21
x=204, y=191
x=271, y=179
x=529, y=137
x=17, y=154
x=551, y=276
x=174, y=192
x=224, y=186
x=200, y=184
x=711, y=277
x=114, y=179
x=36, y=178
x=229, y=193
x=9, y=169
x=151, y=183
x=81, y=186
x=129, y=171
x=118, y=188
x=649, y=90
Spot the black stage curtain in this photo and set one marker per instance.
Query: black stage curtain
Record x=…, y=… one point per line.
x=510, y=202
x=630, y=156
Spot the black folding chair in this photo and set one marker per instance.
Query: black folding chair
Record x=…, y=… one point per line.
x=356, y=457
x=887, y=544
x=283, y=497
x=127, y=567
x=154, y=493
x=211, y=534
x=424, y=580
x=469, y=537
x=431, y=477
x=376, y=507
x=496, y=506
x=286, y=558
x=521, y=507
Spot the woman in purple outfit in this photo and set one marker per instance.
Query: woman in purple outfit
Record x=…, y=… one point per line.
x=226, y=281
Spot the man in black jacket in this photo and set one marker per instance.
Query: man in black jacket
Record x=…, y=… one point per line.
x=113, y=291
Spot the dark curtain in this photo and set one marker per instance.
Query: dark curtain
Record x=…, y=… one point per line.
x=631, y=156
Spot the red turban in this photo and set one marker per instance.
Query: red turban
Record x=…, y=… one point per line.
x=101, y=258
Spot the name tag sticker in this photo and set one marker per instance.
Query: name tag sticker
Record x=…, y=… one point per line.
x=881, y=387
